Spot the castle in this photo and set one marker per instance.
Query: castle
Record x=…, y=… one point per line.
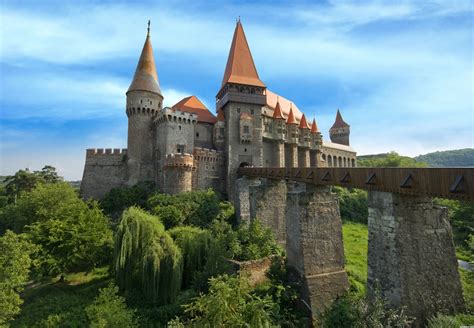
x=185, y=147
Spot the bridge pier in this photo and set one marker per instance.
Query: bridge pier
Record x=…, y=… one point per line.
x=411, y=256
x=242, y=197
x=314, y=244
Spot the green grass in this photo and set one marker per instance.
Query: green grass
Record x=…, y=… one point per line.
x=61, y=304
x=355, y=248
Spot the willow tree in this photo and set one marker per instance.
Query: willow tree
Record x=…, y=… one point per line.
x=146, y=258
x=195, y=244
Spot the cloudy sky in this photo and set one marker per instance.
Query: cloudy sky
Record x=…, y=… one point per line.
x=400, y=71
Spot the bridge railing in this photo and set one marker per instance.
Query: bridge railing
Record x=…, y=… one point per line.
x=453, y=183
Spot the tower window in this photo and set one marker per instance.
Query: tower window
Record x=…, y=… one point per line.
x=197, y=134
x=141, y=101
x=246, y=129
x=252, y=111
x=151, y=103
x=245, y=150
x=238, y=110
x=179, y=126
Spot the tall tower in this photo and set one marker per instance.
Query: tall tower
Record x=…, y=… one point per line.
x=340, y=130
x=144, y=100
x=241, y=97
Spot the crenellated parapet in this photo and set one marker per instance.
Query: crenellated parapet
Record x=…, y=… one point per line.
x=177, y=116
x=106, y=156
x=205, y=155
x=178, y=173
x=179, y=161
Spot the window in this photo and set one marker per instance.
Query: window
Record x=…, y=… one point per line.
x=238, y=110
x=245, y=150
x=252, y=111
x=179, y=126
x=246, y=129
x=197, y=134
x=151, y=103
x=180, y=149
x=141, y=101
x=221, y=130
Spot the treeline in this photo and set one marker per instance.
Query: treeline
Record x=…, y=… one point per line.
x=449, y=158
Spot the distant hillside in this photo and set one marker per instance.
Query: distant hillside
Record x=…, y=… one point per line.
x=449, y=158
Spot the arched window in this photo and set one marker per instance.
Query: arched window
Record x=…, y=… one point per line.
x=345, y=162
x=329, y=160
x=340, y=161
x=353, y=162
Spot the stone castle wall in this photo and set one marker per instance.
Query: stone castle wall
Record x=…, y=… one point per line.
x=210, y=169
x=178, y=173
x=104, y=169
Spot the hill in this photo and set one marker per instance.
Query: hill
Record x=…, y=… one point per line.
x=449, y=158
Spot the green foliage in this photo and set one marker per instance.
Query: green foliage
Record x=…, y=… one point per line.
x=461, y=215
x=146, y=258
x=391, y=159
x=467, y=280
x=353, y=204
x=358, y=312
x=15, y=262
x=170, y=215
x=255, y=242
x=118, y=199
x=195, y=245
x=446, y=321
x=199, y=208
x=44, y=202
x=449, y=158
x=229, y=303
x=110, y=311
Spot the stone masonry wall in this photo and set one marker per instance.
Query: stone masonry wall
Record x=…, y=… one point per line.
x=104, y=169
x=411, y=256
x=210, y=170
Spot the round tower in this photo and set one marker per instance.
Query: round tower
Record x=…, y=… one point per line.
x=178, y=173
x=340, y=131
x=144, y=100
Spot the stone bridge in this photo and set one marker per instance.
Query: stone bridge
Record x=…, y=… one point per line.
x=411, y=255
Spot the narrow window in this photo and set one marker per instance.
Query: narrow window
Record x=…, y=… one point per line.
x=252, y=111
x=246, y=129
x=238, y=110
x=197, y=134
x=179, y=126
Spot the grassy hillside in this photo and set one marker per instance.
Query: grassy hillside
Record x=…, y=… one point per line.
x=449, y=158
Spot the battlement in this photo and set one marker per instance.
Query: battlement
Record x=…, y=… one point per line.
x=179, y=160
x=105, y=151
x=208, y=155
x=174, y=115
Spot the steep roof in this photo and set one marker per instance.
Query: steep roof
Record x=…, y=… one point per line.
x=146, y=78
x=285, y=105
x=220, y=115
x=240, y=67
x=314, y=127
x=339, y=123
x=277, y=112
x=291, y=117
x=192, y=104
x=303, y=123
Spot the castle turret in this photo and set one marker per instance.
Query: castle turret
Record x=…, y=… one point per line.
x=219, y=130
x=316, y=144
x=144, y=100
x=178, y=173
x=241, y=97
x=340, y=130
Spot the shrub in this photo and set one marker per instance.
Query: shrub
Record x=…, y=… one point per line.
x=353, y=204
x=146, y=258
x=110, y=311
x=170, y=215
x=256, y=242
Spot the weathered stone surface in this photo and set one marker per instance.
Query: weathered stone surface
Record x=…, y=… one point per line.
x=242, y=198
x=411, y=256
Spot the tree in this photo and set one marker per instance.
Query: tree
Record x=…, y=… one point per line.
x=256, y=242
x=15, y=262
x=391, y=159
x=110, y=311
x=230, y=302
x=146, y=258
x=48, y=174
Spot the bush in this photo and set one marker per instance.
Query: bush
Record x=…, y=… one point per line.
x=146, y=258
x=170, y=215
x=353, y=204
x=255, y=242
x=110, y=311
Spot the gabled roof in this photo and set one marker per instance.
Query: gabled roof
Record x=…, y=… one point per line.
x=314, y=127
x=339, y=123
x=240, y=67
x=192, y=104
x=146, y=78
x=303, y=123
x=245, y=116
x=277, y=112
x=220, y=115
x=291, y=118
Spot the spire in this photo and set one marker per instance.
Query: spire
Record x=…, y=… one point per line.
x=303, y=123
x=240, y=67
x=277, y=112
x=291, y=117
x=339, y=123
x=145, y=78
x=314, y=127
x=220, y=115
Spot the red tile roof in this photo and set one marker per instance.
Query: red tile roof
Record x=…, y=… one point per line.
x=192, y=104
x=220, y=115
x=291, y=117
x=314, y=127
x=245, y=116
x=277, y=112
x=285, y=105
x=339, y=123
x=240, y=67
x=303, y=123
x=146, y=78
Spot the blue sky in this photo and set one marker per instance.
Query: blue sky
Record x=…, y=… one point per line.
x=400, y=71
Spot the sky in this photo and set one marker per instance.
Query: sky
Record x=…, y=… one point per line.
x=401, y=72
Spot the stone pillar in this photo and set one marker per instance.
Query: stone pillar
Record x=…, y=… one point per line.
x=242, y=197
x=268, y=204
x=314, y=244
x=293, y=155
x=280, y=154
x=411, y=256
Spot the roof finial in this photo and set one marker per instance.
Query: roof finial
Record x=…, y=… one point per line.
x=148, y=29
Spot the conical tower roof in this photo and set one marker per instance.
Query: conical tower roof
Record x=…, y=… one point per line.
x=277, y=112
x=291, y=117
x=314, y=127
x=339, y=123
x=146, y=78
x=303, y=123
x=240, y=67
